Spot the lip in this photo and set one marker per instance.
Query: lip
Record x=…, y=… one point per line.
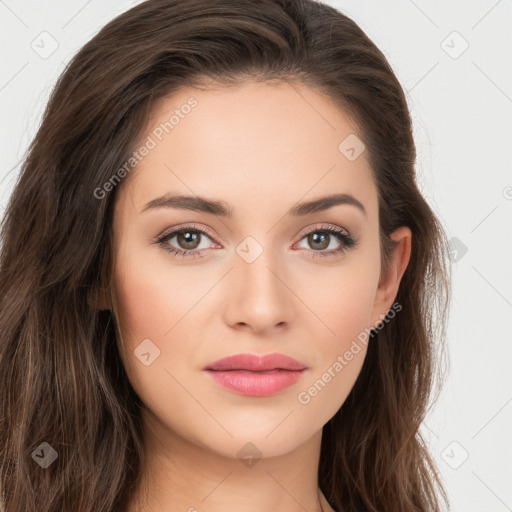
x=257, y=363
x=254, y=375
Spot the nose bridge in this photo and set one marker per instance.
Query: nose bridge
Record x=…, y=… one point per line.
x=256, y=266
x=260, y=296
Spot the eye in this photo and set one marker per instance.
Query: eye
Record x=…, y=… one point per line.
x=188, y=240
x=325, y=237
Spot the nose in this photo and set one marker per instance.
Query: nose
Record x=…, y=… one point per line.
x=258, y=297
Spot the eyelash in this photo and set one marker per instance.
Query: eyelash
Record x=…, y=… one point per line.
x=346, y=239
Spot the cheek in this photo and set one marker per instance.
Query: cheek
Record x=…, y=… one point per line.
x=349, y=309
x=153, y=301
x=153, y=296
x=341, y=299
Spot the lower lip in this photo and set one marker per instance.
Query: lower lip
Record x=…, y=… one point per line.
x=256, y=383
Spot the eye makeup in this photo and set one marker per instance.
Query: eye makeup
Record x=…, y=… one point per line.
x=191, y=233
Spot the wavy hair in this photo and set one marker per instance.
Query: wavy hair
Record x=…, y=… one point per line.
x=63, y=381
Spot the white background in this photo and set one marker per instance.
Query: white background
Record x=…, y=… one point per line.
x=461, y=103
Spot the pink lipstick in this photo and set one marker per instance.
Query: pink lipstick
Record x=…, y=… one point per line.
x=254, y=375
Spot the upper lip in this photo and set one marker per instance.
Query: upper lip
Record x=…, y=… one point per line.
x=256, y=363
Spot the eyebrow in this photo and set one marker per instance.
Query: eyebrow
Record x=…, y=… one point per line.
x=221, y=208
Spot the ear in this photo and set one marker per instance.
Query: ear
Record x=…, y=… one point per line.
x=389, y=281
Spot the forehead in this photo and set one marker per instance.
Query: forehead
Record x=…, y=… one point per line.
x=248, y=144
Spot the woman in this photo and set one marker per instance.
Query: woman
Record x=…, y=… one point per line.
x=221, y=287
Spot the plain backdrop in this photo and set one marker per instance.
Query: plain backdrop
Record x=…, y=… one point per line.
x=454, y=61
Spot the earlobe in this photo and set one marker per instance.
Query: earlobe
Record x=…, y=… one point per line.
x=390, y=281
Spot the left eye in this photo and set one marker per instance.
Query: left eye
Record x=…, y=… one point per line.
x=323, y=239
x=189, y=241
x=322, y=236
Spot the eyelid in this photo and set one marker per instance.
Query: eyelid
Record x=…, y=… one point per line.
x=347, y=240
x=320, y=226
x=192, y=227
x=209, y=232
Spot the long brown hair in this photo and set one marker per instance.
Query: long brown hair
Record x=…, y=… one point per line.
x=63, y=382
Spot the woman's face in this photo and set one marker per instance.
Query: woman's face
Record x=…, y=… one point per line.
x=266, y=279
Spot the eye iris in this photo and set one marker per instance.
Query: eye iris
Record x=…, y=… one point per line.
x=188, y=239
x=323, y=238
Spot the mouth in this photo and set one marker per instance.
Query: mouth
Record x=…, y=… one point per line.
x=254, y=375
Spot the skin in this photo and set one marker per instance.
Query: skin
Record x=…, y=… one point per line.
x=260, y=148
